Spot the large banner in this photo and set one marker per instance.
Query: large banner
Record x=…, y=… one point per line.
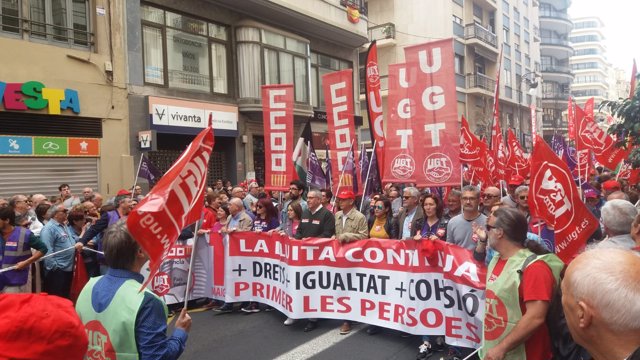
x=435, y=122
x=338, y=94
x=554, y=197
x=399, y=156
x=374, y=103
x=390, y=283
x=277, y=109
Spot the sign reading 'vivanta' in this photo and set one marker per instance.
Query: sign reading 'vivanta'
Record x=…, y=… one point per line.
x=34, y=95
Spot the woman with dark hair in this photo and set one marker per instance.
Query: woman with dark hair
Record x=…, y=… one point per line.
x=381, y=224
x=435, y=226
x=41, y=215
x=266, y=216
x=78, y=225
x=294, y=213
x=222, y=215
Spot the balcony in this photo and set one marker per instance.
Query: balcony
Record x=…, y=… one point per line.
x=480, y=84
x=557, y=73
x=384, y=34
x=555, y=47
x=557, y=21
x=482, y=39
x=555, y=96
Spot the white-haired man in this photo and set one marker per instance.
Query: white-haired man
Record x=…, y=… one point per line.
x=617, y=217
x=600, y=291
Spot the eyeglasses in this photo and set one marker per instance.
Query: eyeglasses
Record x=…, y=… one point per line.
x=293, y=188
x=260, y=207
x=313, y=197
x=524, y=197
x=407, y=197
x=379, y=207
x=489, y=227
x=469, y=199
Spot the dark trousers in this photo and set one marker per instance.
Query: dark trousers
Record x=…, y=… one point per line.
x=58, y=282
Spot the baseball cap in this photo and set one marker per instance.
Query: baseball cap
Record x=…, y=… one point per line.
x=122, y=192
x=611, y=185
x=51, y=320
x=590, y=193
x=346, y=194
x=516, y=180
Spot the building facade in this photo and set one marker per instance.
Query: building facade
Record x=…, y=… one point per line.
x=593, y=73
x=479, y=28
x=557, y=75
x=64, y=108
x=189, y=59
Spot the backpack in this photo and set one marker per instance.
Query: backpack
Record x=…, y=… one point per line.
x=562, y=344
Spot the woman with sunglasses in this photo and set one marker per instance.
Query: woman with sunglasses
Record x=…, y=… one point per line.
x=381, y=224
x=266, y=216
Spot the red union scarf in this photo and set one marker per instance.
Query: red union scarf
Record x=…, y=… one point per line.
x=175, y=201
x=338, y=94
x=374, y=103
x=517, y=161
x=435, y=121
x=399, y=157
x=554, y=197
x=592, y=137
x=277, y=108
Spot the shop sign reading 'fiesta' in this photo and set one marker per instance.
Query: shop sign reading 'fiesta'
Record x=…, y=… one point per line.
x=34, y=95
x=48, y=146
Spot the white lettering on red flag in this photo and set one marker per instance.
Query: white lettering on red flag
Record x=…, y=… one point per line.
x=338, y=93
x=435, y=122
x=374, y=103
x=398, y=285
x=277, y=108
x=175, y=201
x=554, y=197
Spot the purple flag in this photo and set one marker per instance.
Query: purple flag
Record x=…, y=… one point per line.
x=373, y=182
x=315, y=176
x=149, y=171
x=567, y=154
x=350, y=167
x=327, y=174
x=364, y=167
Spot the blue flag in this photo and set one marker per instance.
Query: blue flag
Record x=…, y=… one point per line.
x=315, y=176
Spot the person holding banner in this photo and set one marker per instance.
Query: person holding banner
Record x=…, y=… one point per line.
x=435, y=227
x=521, y=281
x=296, y=191
x=121, y=320
x=294, y=214
x=381, y=225
x=16, y=244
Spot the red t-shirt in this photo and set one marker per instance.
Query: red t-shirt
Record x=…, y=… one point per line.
x=209, y=218
x=537, y=284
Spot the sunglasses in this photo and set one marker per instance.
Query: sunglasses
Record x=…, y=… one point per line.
x=524, y=197
x=489, y=227
x=407, y=197
x=379, y=207
x=260, y=207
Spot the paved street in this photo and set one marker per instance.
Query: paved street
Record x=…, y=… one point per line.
x=263, y=336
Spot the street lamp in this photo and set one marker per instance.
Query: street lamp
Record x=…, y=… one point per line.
x=533, y=80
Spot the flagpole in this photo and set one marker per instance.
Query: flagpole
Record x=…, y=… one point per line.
x=308, y=164
x=135, y=180
x=333, y=199
x=366, y=181
x=193, y=253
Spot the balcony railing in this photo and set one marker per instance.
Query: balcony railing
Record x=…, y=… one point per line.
x=553, y=14
x=556, y=68
x=361, y=5
x=480, y=81
x=57, y=34
x=555, y=96
x=382, y=31
x=475, y=31
x=554, y=41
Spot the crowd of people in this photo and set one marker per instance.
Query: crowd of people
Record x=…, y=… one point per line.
x=523, y=273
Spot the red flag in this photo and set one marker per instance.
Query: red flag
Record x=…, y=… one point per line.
x=628, y=173
x=399, y=157
x=471, y=148
x=571, y=119
x=277, y=109
x=175, y=201
x=534, y=123
x=592, y=137
x=80, y=277
x=374, y=103
x=517, y=161
x=554, y=197
x=435, y=118
x=498, y=147
x=338, y=94
x=634, y=75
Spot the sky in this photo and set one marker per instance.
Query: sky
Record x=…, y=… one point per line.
x=621, y=29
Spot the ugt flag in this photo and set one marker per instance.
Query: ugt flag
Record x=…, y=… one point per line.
x=175, y=201
x=554, y=197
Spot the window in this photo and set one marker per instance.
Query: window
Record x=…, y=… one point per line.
x=505, y=21
x=586, y=65
x=458, y=62
x=516, y=29
x=57, y=21
x=526, y=23
x=505, y=6
x=516, y=14
x=324, y=64
x=477, y=11
x=457, y=20
x=182, y=52
x=505, y=34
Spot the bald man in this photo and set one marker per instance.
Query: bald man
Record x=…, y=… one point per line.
x=490, y=196
x=600, y=291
